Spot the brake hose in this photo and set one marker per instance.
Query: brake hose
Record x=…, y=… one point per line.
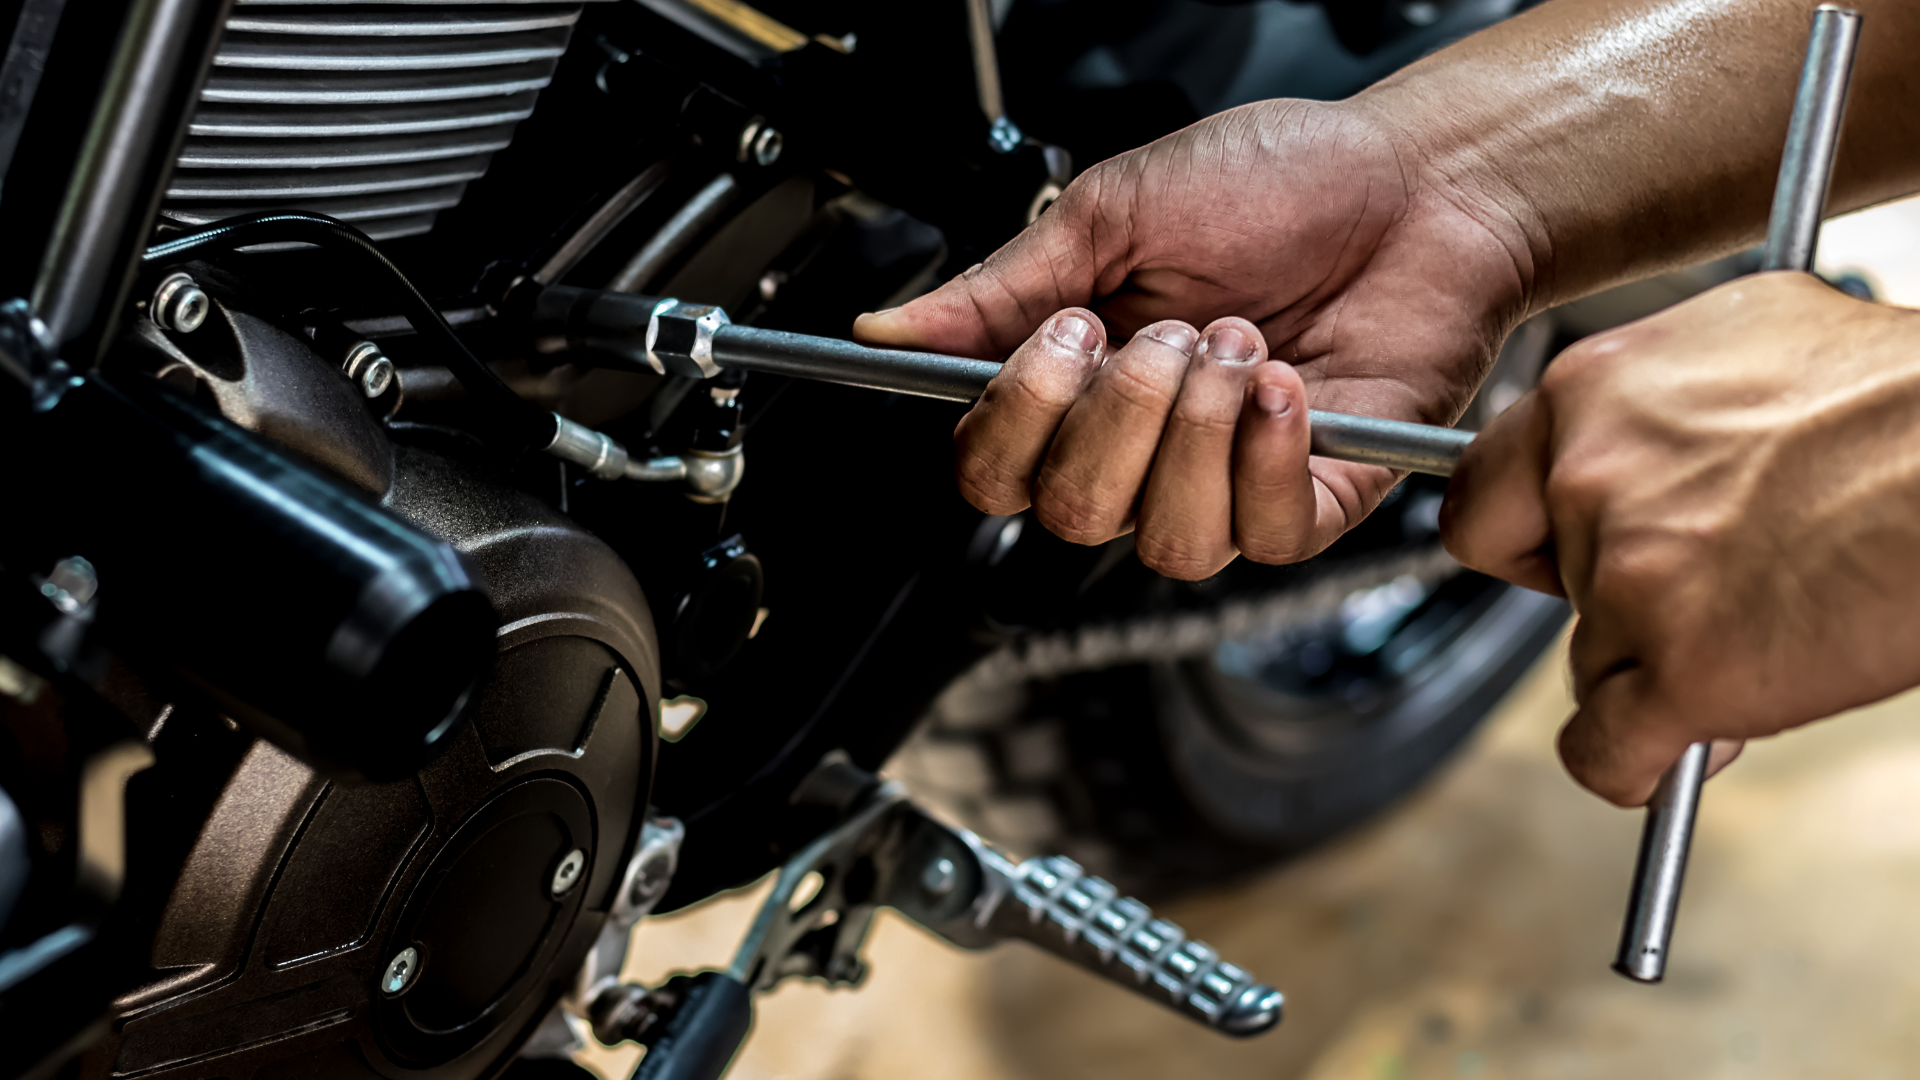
x=517, y=423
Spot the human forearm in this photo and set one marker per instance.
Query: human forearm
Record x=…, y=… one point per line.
x=1606, y=140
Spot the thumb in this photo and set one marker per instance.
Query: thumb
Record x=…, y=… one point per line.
x=990, y=309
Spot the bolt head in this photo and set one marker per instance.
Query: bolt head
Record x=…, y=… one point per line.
x=71, y=584
x=400, y=971
x=375, y=376
x=180, y=305
x=767, y=146
x=940, y=876
x=567, y=874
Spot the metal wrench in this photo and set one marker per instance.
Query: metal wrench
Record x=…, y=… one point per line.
x=1793, y=230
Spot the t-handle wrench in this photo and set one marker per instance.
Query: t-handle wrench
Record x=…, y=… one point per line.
x=1793, y=229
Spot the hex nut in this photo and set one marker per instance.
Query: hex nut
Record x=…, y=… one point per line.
x=179, y=305
x=71, y=584
x=767, y=146
x=760, y=143
x=680, y=338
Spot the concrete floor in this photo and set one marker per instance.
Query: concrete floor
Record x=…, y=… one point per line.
x=1467, y=932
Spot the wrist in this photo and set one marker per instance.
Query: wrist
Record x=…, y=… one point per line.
x=1461, y=202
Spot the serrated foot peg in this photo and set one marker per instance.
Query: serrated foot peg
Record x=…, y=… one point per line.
x=888, y=853
x=1053, y=903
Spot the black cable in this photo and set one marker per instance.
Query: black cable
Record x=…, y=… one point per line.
x=519, y=424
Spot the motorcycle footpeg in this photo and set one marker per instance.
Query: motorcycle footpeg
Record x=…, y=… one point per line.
x=890, y=853
x=954, y=884
x=1053, y=903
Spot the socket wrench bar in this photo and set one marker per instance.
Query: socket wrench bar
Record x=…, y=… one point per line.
x=1370, y=440
x=1793, y=230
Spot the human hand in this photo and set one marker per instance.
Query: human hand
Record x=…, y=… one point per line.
x=1316, y=234
x=1729, y=492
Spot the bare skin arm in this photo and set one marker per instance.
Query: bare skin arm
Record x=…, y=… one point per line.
x=1381, y=248
x=1727, y=491
x=1627, y=137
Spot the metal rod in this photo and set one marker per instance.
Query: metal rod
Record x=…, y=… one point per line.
x=1813, y=136
x=1365, y=439
x=1662, y=868
x=1421, y=448
x=127, y=154
x=986, y=62
x=805, y=356
x=1793, y=231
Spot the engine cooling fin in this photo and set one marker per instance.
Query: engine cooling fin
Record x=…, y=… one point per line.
x=377, y=114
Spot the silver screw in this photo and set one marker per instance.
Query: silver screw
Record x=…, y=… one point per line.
x=767, y=146
x=567, y=874
x=71, y=584
x=761, y=142
x=179, y=305
x=400, y=971
x=940, y=876
x=369, y=368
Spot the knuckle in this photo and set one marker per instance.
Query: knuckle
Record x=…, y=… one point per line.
x=1274, y=550
x=1579, y=484
x=990, y=484
x=1142, y=387
x=1171, y=555
x=1204, y=420
x=1030, y=388
x=1073, y=515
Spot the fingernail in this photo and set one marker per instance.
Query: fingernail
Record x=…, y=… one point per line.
x=1174, y=335
x=885, y=310
x=1228, y=345
x=1272, y=400
x=1075, y=333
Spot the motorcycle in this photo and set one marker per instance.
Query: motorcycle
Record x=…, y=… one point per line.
x=390, y=618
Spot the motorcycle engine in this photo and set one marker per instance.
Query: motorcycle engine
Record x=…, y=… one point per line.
x=425, y=926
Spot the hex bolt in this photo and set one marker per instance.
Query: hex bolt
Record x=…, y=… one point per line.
x=400, y=971
x=567, y=874
x=71, y=584
x=767, y=146
x=179, y=304
x=761, y=143
x=940, y=876
x=369, y=368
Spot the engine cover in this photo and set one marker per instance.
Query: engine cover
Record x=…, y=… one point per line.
x=422, y=927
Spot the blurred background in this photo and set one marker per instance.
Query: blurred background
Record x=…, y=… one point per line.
x=1466, y=931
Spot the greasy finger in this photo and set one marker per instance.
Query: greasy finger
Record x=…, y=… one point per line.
x=1001, y=442
x=1186, y=513
x=1495, y=517
x=1092, y=477
x=1275, y=499
x=990, y=308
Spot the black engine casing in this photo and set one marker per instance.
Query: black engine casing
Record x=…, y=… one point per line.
x=273, y=943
